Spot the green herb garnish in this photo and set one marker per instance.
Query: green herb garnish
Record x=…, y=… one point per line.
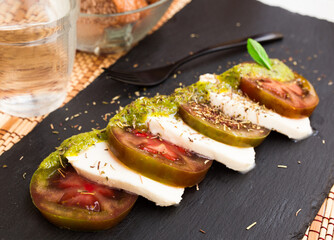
x=258, y=53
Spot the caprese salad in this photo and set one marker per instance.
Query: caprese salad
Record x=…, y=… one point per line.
x=155, y=147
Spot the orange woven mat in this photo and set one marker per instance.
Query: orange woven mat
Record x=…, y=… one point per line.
x=86, y=68
x=322, y=227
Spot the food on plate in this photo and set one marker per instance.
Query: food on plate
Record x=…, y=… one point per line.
x=176, y=131
x=69, y=200
x=159, y=115
x=279, y=89
x=214, y=123
x=155, y=147
x=156, y=158
x=98, y=164
x=234, y=104
x=273, y=84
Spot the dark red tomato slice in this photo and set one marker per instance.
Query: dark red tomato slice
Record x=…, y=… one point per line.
x=157, y=159
x=71, y=201
x=75, y=198
x=293, y=99
x=213, y=123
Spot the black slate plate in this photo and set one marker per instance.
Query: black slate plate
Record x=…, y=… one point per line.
x=227, y=202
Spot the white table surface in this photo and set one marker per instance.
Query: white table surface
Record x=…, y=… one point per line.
x=322, y=9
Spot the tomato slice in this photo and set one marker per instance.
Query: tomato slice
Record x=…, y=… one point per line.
x=157, y=159
x=213, y=123
x=71, y=201
x=75, y=198
x=293, y=99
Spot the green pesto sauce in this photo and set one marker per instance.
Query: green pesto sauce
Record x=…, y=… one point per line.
x=279, y=72
x=230, y=78
x=72, y=147
x=135, y=114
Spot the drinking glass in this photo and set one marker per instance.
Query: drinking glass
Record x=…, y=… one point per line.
x=37, y=49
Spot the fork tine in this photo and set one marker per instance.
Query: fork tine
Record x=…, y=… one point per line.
x=127, y=78
x=119, y=80
x=124, y=75
x=134, y=78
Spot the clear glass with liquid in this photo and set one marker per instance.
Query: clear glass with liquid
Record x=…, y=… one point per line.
x=37, y=49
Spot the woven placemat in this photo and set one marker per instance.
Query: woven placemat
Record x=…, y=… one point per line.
x=86, y=68
x=322, y=227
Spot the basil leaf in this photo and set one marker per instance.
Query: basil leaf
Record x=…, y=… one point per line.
x=257, y=52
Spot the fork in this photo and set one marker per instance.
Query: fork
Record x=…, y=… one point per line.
x=154, y=76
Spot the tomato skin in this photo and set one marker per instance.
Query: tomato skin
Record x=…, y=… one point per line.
x=166, y=168
x=77, y=224
x=71, y=210
x=239, y=137
x=296, y=99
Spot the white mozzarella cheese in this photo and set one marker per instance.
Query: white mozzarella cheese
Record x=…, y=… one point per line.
x=99, y=165
x=235, y=105
x=179, y=133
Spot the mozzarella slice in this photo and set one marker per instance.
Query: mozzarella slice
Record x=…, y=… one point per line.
x=179, y=133
x=236, y=105
x=99, y=165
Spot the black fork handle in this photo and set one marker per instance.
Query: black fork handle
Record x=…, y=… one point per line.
x=242, y=42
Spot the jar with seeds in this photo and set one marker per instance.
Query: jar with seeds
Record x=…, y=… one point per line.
x=116, y=25
x=38, y=42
